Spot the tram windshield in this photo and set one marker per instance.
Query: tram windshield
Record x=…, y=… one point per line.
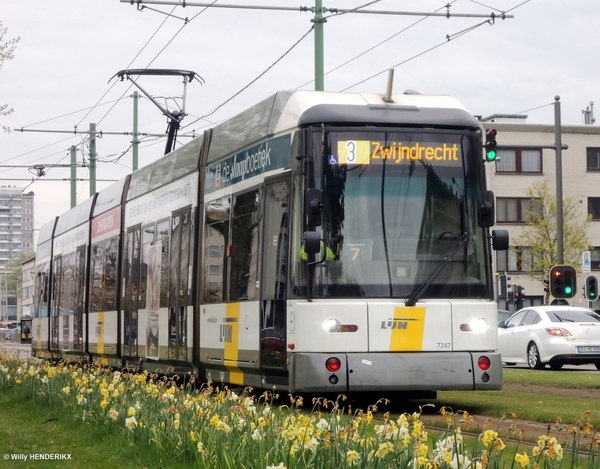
x=395, y=206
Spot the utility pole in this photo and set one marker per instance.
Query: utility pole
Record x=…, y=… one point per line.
x=92, y=159
x=136, y=141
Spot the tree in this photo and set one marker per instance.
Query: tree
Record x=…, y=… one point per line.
x=14, y=269
x=540, y=234
x=7, y=51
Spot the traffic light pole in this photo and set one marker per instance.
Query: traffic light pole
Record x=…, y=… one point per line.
x=559, y=189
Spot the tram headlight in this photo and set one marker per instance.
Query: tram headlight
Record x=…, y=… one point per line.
x=331, y=325
x=477, y=325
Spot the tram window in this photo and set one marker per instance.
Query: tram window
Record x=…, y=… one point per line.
x=275, y=244
x=110, y=275
x=66, y=284
x=216, y=237
x=41, y=288
x=56, y=278
x=96, y=290
x=162, y=235
x=147, y=241
x=244, y=252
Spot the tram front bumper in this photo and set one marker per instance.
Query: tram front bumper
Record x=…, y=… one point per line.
x=418, y=371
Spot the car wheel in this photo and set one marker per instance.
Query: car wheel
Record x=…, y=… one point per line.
x=533, y=357
x=556, y=366
x=597, y=365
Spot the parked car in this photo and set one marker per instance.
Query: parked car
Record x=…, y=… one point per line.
x=503, y=316
x=554, y=335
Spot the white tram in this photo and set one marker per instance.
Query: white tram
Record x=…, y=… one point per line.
x=317, y=242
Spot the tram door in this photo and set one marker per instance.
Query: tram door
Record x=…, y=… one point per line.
x=131, y=293
x=179, y=292
x=274, y=275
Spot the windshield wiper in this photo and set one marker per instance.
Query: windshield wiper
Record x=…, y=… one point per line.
x=416, y=295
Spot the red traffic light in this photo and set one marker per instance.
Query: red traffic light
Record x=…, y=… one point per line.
x=563, y=280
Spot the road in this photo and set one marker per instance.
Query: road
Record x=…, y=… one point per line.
x=19, y=350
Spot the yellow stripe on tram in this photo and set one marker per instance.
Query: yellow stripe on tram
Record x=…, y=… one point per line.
x=231, y=333
x=38, y=326
x=100, y=329
x=408, y=328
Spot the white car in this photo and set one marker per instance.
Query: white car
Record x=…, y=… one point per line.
x=554, y=335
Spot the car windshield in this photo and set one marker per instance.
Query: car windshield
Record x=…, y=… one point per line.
x=573, y=316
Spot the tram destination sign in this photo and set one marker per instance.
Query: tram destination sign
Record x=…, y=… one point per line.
x=371, y=152
x=264, y=157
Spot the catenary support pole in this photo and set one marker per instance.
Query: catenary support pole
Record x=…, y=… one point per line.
x=92, y=159
x=319, y=46
x=73, y=176
x=135, y=142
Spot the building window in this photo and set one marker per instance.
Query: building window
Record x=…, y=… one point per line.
x=518, y=259
x=594, y=207
x=595, y=257
x=512, y=209
x=517, y=160
x=593, y=159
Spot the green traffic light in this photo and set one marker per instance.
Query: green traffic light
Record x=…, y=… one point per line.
x=568, y=290
x=491, y=155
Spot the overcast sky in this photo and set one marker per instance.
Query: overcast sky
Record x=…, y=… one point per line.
x=70, y=49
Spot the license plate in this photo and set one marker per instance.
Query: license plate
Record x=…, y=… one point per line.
x=588, y=349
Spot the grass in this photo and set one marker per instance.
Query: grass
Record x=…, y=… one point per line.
x=29, y=428
x=560, y=379
x=534, y=405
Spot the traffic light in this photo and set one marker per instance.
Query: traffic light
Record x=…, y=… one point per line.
x=503, y=290
x=518, y=294
x=591, y=288
x=490, y=145
x=563, y=281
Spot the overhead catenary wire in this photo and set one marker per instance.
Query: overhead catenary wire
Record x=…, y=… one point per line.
x=254, y=80
x=379, y=43
x=448, y=39
x=98, y=102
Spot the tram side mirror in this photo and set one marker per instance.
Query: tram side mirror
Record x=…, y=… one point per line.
x=313, y=207
x=485, y=209
x=312, y=242
x=500, y=240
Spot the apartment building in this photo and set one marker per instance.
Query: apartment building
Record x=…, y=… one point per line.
x=524, y=158
x=25, y=304
x=16, y=223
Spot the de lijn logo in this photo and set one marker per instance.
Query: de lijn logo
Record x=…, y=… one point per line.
x=397, y=323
